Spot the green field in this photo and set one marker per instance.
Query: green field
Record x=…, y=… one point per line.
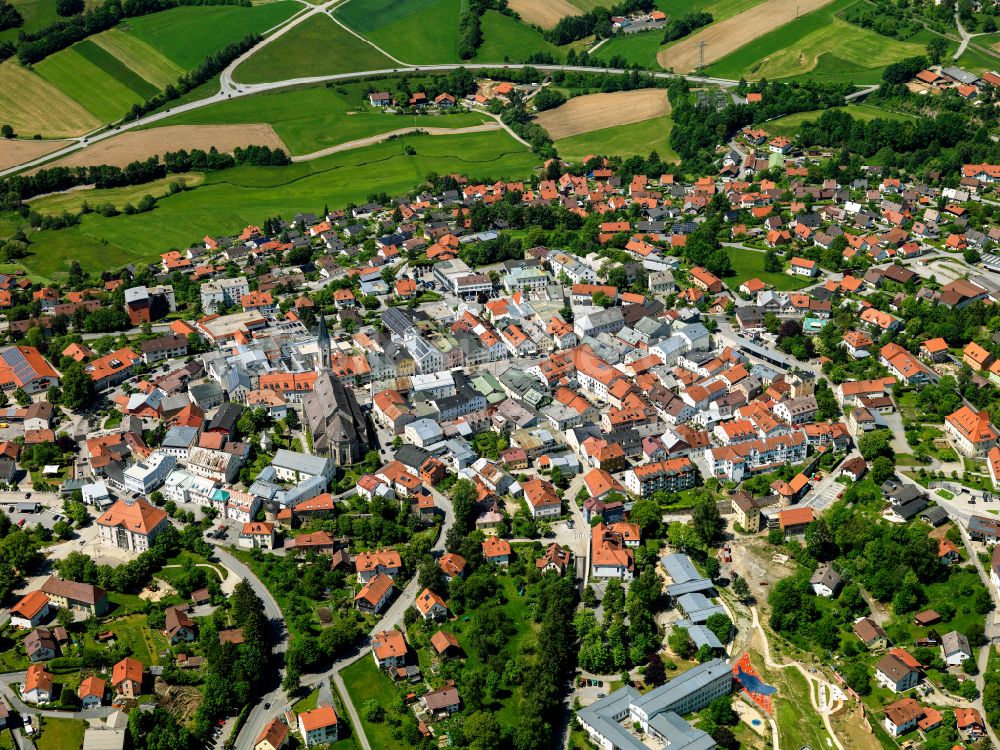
x=60, y=734
x=315, y=47
x=115, y=68
x=37, y=14
x=979, y=62
x=506, y=39
x=118, y=197
x=720, y=9
x=637, y=49
x=789, y=125
x=414, y=31
x=140, y=57
x=188, y=34
x=819, y=45
x=310, y=119
x=94, y=87
x=749, y=264
x=634, y=139
x=231, y=199
x=364, y=682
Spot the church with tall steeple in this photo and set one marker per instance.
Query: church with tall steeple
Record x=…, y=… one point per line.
x=324, y=349
x=338, y=425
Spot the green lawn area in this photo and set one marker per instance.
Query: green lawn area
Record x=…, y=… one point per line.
x=310, y=119
x=306, y=704
x=118, y=197
x=789, y=124
x=634, y=139
x=637, y=49
x=506, y=39
x=932, y=441
x=60, y=734
x=95, y=89
x=188, y=34
x=365, y=682
x=976, y=61
x=749, y=264
x=316, y=47
x=414, y=31
x=145, y=644
x=124, y=604
x=233, y=198
x=37, y=14
x=821, y=45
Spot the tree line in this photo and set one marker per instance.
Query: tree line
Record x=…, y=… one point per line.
x=470, y=32
x=36, y=46
x=681, y=26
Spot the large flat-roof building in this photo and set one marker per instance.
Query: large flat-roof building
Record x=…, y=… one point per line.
x=609, y=721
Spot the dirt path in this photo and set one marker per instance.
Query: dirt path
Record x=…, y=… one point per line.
x=728, y=36
x=582, y=114
x=819, y=690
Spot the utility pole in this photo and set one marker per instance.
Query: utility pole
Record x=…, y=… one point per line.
x=701, y=55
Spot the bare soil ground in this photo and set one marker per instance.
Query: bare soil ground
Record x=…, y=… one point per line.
x=544, y=13
x=728, y=36
x=14, y=151
x=582, y=114
x=141, y=144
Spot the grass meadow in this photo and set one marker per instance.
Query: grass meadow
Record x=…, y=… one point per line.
x=506, y=39
x=414, y=31
x=749, y=264
x=315, y=47
x=89, y=83
x=33, y=105
x=633, y=139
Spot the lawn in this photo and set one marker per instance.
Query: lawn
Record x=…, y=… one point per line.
x=633, y=139
x=365, y=682
x=636, y=49
x=370, y=15
x=821, y=45
x=188, y=34
x=396, y=27
x=96, y=90
x=118, y=197
x=315, y=47
x=60, y=734
x=749, y=264
x=789, y=124
x=310, y=119
x=233, y=198
x=978, y=62
x=306, y=704
x=506, y=39
x=144, y=643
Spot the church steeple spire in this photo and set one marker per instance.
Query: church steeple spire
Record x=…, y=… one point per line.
x=324, y=357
